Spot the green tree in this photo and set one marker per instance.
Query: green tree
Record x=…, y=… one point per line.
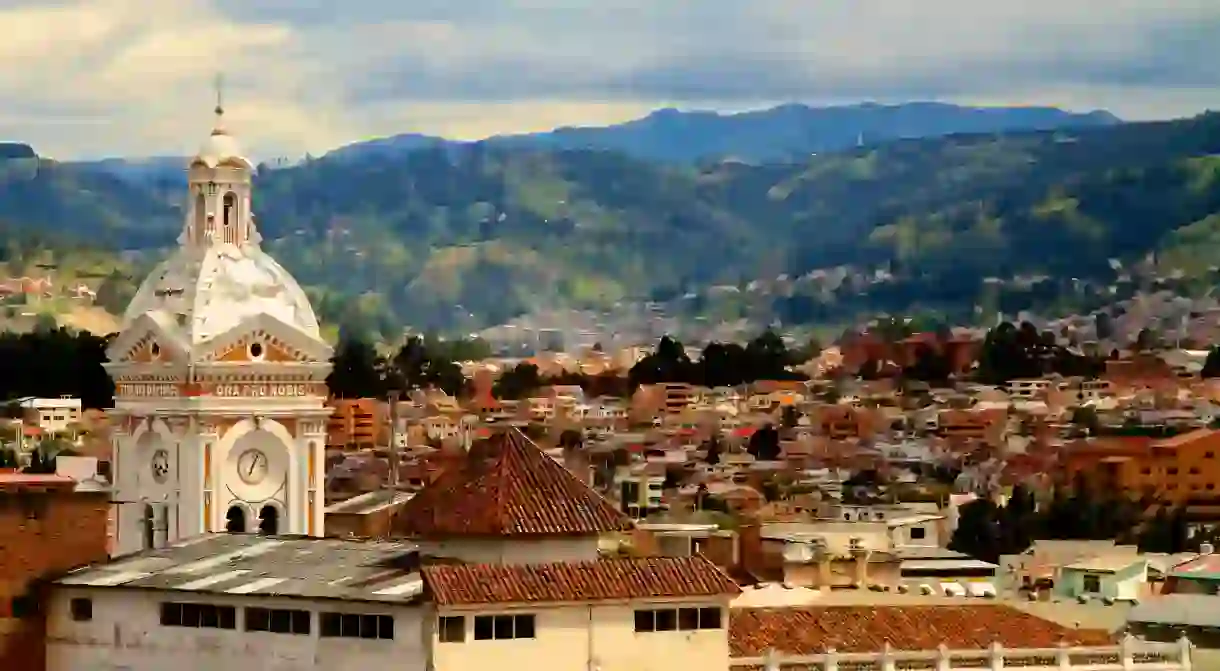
x=356, y=370
x=518, y=382
x=1085, y=418
x=1211, y=365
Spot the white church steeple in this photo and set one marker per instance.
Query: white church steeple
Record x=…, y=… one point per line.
x=219, y=179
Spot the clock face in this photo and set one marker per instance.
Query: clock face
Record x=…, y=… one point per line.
x=160, y=465
x=252, y=466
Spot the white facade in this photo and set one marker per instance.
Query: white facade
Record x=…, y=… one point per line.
x=599, y=636
x=126, y=632
x=220, y=368
x=52, y=415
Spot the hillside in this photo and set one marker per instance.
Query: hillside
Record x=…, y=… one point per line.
x=461, y=236
x=784, y=133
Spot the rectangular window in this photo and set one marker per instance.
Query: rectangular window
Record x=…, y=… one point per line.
x=258, y=619
x=351, y=625
x=667, y=620
x=482, y=628
x=680, y=619
x=82, y=609
x=503, y=627
x=278, y=620
x=645, y=621
x=523, y=626
x=451, y=629
x=24, y=606
x=198, y=615
x=1091, y=584
x=918, y=533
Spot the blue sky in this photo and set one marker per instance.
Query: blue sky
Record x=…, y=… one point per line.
x=132, y=77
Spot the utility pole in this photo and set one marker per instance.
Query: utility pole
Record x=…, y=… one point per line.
x=393, y=479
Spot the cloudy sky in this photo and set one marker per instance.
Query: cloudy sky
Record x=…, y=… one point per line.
x=89, y=78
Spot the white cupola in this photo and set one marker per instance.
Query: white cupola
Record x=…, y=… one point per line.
x=219, y=179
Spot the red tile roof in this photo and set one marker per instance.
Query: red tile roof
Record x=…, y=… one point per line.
x=814, y=630
x=508, y=487
x=602, y=580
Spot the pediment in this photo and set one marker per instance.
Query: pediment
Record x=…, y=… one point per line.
x=148, y=339
x=264, y=339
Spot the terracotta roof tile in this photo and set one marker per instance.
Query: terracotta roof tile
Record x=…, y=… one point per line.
x=506, y=486
x=814, y=630
x=602, y=580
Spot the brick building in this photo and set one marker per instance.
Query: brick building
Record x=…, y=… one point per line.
x=46, y=529
x=962, y=352
x=356, y=423
x=1183, y=470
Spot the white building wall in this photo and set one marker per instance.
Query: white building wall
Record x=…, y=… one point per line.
x=174, y=501
x=126, y=634
x=585, y=637
x=514, y=551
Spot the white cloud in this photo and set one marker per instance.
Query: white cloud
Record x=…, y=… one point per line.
x=132, y=76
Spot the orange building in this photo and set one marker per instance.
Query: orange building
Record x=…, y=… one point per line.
x=355, y=423
x=840, y=422
x=1182, y=470
x=968, y=426
x=961, y=352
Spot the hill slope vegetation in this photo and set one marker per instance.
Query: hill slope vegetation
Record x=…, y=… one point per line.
x=456, y=236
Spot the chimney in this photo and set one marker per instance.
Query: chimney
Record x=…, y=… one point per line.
x=860, y=555
x=821, y=555
x=749, y=548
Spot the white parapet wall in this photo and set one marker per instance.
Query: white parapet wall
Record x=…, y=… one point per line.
x=1131, y=655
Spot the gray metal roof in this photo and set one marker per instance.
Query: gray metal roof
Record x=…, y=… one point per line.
x=927, y=552
x=1196, y=610
x=316, y=568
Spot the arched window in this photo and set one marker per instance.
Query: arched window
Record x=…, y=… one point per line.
x=201, y=214
x=269, y=520
x=150, y=527
x=230, y=216
x=235, y=520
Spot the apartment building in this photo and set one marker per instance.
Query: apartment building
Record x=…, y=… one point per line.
x=51, y=415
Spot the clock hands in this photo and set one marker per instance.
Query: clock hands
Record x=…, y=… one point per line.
x=253, y=463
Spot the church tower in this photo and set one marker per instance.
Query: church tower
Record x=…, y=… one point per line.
x=220, y=181
x=219, y=370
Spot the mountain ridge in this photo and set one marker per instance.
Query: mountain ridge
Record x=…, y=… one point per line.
x=461, y=236
x=781, y=133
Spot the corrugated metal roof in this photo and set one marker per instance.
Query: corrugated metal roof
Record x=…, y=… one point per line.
x=320, y=568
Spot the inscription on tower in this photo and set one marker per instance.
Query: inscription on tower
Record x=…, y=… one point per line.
x=263, y=390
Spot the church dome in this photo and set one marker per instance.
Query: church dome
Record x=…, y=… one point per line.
x=222, y=149
x=219, y=278
x=205, y=291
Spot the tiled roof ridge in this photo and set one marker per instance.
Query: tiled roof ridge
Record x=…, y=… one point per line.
x=508, y=486
x=856, y=628
x=592, y=580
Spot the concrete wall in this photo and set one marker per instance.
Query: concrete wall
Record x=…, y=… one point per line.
x=514, y=551
x=1125, y=584
x=126, y=633
x=590, y=637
